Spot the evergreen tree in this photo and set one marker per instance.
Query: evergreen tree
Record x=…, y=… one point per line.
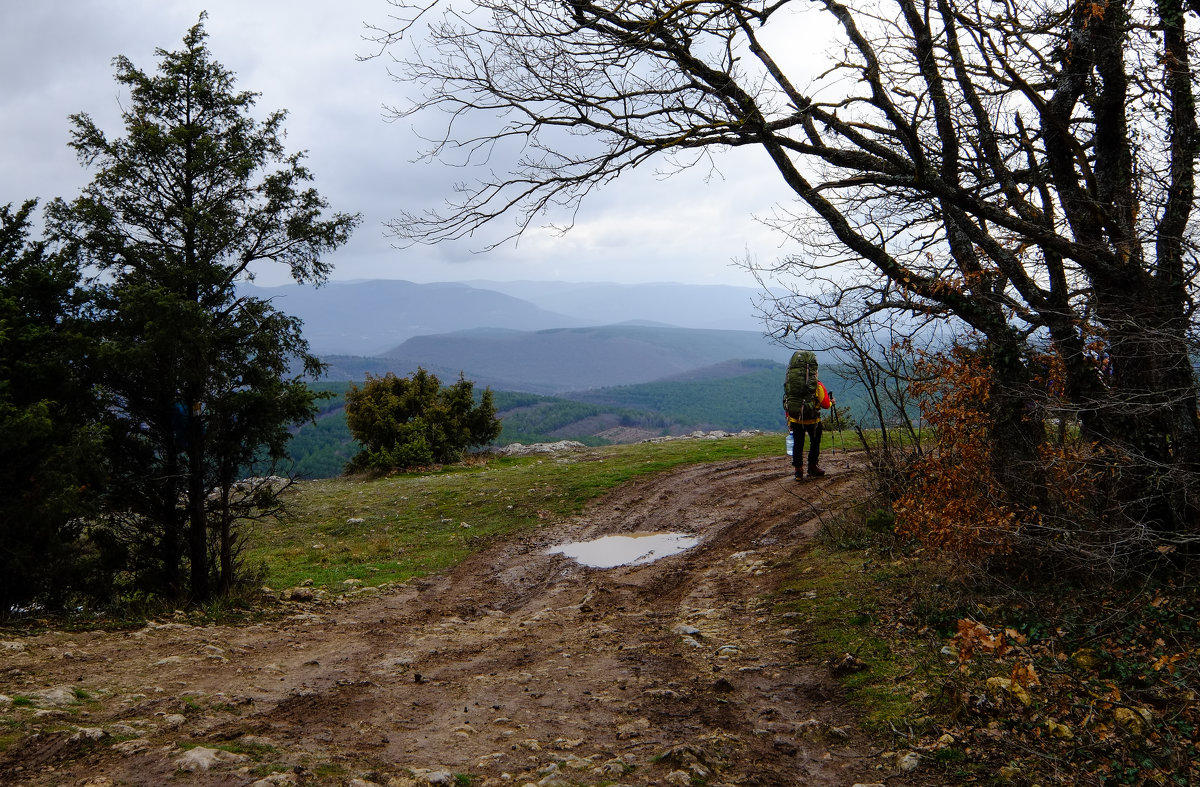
x=414, y=421
x=180, y=209
x=49, y=458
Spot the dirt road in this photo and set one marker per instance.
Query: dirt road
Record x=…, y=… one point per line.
x=519, y=667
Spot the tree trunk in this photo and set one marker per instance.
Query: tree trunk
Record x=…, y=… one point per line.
x=1152, y=422
x=197, y=509
x=225, y=582
x=170, y=548
x=1019, y=427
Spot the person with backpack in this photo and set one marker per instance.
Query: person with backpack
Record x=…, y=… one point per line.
x=804, y=396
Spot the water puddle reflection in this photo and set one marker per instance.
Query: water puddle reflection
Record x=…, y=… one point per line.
x=631, y=550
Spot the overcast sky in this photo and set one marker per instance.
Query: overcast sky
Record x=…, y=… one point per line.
x=56, y=55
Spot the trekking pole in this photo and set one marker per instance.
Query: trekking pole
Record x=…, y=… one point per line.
x=837, y=422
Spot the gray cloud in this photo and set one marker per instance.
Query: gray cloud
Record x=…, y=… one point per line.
x=301, y=56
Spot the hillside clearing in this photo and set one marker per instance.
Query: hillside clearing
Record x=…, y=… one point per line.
x=514, y=662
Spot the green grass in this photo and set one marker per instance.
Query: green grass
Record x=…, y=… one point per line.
x=257, y=751
x=841, y=604
x=329, y=770
x=11, y=731
x=413, y=524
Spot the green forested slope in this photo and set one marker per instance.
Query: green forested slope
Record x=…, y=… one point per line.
x=750, y=400
x=732, y=396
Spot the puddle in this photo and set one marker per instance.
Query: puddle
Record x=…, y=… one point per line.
x=631, y=550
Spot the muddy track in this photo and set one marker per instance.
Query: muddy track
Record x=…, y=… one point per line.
x=517, y=667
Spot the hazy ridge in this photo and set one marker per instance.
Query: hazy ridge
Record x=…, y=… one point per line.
x=593, y=362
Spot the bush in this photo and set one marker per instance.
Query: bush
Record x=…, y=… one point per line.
x=1076, y=517
x=954, y=501
x=405, y=422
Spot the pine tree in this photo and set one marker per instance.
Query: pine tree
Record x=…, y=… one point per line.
x=50, y=462
x=194, y=195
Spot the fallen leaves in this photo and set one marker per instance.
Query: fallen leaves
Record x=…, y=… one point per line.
x=1119, y=708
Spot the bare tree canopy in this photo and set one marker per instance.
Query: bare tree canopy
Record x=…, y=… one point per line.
x=1027, y=168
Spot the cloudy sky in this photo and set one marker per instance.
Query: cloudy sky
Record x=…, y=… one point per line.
x=56, y=56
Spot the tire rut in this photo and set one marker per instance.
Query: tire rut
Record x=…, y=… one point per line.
x=523, y=667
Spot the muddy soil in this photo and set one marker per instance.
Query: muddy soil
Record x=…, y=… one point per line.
x=518, y=667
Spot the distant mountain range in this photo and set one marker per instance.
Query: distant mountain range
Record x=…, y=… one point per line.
x=707, y=306
x=366, y=318
x=575, y=359
x=535, y=337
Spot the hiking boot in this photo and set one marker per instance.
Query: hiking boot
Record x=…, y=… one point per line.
x=815, y=471
x=799, y=474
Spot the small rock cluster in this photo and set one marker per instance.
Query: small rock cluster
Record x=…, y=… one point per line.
x=520, y=449
x=715, y=434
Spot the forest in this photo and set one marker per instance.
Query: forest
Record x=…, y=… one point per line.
x=738, y=396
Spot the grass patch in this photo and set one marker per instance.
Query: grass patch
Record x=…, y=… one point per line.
x=406, y=525
x=11, y=731
x=256, y=751
x=329, y=770
x=844, y=605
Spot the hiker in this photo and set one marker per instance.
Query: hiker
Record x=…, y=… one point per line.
x=804, y=396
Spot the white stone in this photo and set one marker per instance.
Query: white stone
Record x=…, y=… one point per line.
x=633, y=729
x=275, y=779
x=58, y=697
x=202, y=759
x=132, y=746
x=518, y=449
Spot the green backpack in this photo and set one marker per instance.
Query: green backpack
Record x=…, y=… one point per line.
x=800, y=385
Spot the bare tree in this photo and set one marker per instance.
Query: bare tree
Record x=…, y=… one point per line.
x=1026, y=169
